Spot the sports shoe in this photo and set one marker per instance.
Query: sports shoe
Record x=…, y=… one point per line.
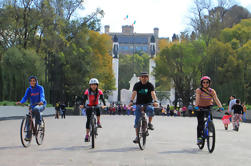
x=199, y=140
x=150, y=126
x=87, y=138
x=136, y=140
x=99, y=125
x=28, y=137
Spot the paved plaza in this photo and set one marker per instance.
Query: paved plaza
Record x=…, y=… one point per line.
x=172, y=143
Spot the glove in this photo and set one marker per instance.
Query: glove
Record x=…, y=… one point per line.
x=221, y=109
x=196, y=108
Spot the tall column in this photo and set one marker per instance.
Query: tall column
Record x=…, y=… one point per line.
x=152, y=63
x=115, y=67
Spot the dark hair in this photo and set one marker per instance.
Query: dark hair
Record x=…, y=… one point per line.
x=233, y=96
x=226, y=113
x=32, y=77
x=238, y=101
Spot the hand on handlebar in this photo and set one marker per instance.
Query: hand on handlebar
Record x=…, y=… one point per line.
x=196, y=108
x=155, y=104
x=18, y=103
x=130, y=104
x=103, y=107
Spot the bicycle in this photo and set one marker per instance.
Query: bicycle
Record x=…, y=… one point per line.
x=142, y=130
x=208, y=132
x=33, y=129
x=93, y=125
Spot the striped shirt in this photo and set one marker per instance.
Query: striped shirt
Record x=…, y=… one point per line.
x=206, y=99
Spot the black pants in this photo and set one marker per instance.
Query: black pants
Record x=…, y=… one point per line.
x=200, y=117
x=89, y=114
x=63, y=114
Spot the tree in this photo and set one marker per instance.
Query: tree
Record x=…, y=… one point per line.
x=181, y=63
x=126, y=71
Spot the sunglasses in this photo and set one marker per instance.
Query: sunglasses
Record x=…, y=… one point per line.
x=205, y=82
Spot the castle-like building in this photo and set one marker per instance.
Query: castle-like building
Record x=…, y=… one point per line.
x=133, y=43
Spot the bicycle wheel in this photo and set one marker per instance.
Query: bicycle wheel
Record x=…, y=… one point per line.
x=142, y=134
x=24, y=131
x=40, y=133
x=211, y=137
x=93, y=132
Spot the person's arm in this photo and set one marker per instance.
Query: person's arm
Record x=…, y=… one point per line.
x=155, y=102
x=197, y=98
x=42, y=96
x=134, y=93
x=84, y=98
x=102, y=98
x=217, y=100
x=27, y=94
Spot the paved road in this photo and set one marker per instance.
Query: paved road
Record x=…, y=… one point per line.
x=172, y=144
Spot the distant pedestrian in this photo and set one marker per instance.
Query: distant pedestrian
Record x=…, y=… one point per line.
x=232, y=102
x=238, y=111
x=57, y=108
x=244, y=117
x=225, y=120
x=62, y=109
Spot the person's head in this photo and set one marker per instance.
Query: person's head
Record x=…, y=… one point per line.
x=144, y=77
x=205, y=82
x=93, y=84
x=232, y=97
x=33, y=81
x=237, y=101
x=226, y=113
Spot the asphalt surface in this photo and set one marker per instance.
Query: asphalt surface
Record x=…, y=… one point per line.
x=172, y=143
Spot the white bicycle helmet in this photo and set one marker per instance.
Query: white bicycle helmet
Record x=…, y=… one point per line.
x=93, y=81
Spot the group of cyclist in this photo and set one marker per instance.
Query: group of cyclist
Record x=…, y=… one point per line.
x=144, y=90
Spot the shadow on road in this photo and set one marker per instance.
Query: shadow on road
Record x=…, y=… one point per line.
x=125, y=149
x=72, y=148
x=10, y=147
x=186, y=151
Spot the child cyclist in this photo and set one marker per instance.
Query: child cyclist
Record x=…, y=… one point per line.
x=92, y=94
x=225, y=120
x=204, y=99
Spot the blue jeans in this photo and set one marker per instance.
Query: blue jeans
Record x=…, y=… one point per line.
x=36, y=112
x=244, y=116
x=137, y=113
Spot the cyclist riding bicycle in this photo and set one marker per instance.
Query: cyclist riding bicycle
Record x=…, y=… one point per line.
x=37, y=101
x=145, y=95
x=92, y=94
x=204, y=100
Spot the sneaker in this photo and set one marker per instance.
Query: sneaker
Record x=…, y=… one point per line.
x=199, y=141
x=136, y=140
x=87, y=138
x=27, y=137
x=226, y=128
x=150, y=126
x=99, y=125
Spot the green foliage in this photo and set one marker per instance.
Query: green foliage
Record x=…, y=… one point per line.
x=40, y=38
x=181, y=63
x=129, y=65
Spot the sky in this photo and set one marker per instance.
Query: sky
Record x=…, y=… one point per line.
x=170, y=16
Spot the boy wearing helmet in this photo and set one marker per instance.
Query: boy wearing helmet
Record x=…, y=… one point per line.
x=204, y=99
x=37, y=101
x=92, y=94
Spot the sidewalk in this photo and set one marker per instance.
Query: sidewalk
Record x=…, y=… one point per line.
x=16, y=112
